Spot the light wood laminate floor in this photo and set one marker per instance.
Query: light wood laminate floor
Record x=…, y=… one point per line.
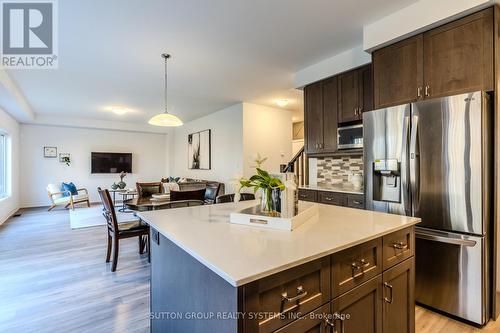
x=54, y=279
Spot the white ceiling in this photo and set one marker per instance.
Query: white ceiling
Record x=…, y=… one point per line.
x=223, y=52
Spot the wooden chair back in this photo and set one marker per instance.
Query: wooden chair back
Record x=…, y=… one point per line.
x=211, y=193
x=230, y=197
x=187, y=195
x=145, y=190
x=109, y=210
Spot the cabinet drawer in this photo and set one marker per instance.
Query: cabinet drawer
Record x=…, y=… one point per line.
x=356, y=201
x=312, y=322
x=285, y=296
x=332, y=198
x=356, y=265
x=398, y=246
x=308, y=195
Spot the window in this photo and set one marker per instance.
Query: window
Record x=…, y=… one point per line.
x=3, y=166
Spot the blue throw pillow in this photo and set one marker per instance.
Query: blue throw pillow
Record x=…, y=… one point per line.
x=69, y=187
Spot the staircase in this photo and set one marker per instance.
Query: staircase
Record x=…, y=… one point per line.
x=299, y=165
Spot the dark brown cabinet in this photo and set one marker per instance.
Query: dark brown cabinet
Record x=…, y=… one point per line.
x=355, y=93
x=320, y=116
x=332, y=198
x=399, y=302
x=452, y=59
x=398, y=73
x=314, y=322
x=360, y=310
x=313, y=101
x=348, y=97
x=458, y=57
x=335, y=100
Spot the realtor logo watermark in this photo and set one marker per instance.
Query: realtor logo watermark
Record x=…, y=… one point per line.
x=29, y=34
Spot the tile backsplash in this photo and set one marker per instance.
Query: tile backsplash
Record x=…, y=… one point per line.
x=337, y=169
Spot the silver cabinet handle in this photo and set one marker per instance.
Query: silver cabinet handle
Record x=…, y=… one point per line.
x=327, y=323
x=419, y=92
x=301, y=293
x=355, y=111
x=302, y=196
x=427, y=90
x=357, y=202
x=400, y=246
x=359, y=265
x=388, y=299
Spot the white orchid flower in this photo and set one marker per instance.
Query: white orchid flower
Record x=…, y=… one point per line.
x=258, y=160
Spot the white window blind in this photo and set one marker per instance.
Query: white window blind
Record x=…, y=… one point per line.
x=3, y=166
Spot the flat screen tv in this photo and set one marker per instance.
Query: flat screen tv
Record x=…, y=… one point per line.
x=111, y=162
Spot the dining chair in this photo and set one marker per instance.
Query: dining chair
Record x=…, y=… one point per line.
x=125, y=229
x=230, y=197
x=211, y=193
x=145, y=190
x=187, y=195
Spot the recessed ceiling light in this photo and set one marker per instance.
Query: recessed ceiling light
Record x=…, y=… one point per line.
x=282, y=102
x=118, y=110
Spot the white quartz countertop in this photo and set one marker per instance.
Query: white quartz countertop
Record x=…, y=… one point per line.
x=342, y=188
x=242, y=254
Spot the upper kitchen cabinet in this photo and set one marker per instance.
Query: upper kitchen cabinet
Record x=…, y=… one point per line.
x=365, y=84
x=330, y=110
x=398, y=73
x=320, y=115
x=313, y=117
x=458, y=57
x=355, y=93
x=452, y=59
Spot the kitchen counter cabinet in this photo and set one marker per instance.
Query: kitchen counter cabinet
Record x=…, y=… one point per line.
x=213, y=276
x=336, y=195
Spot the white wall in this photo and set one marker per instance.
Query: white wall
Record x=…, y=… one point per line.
x=267, y=131
x=9, y=205
x=420, y=16
x=226, y=128
x=336, y=64
x=149, y=159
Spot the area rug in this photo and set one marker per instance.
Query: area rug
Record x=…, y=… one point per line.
x=83, y=217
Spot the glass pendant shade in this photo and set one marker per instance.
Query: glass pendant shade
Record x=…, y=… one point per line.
x=165, y=119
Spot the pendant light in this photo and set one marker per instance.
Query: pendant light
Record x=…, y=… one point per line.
x=165, y=118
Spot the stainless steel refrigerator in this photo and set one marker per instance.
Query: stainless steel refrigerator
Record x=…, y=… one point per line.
x=432, y=159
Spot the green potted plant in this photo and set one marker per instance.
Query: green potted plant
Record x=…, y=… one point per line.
x=269, y=185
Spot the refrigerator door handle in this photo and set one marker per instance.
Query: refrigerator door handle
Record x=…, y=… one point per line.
x=405, y=175
x=433, y=236
x=414, y=165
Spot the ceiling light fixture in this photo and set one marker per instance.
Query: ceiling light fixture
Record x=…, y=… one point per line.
x=282, y=102
x=119, y=111
x=165, y=118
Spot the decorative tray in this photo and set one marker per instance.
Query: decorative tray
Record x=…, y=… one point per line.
x=253, y=216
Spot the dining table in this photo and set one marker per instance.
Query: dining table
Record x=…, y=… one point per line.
x=150, y=203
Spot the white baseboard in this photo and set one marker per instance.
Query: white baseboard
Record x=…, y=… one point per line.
x=8, y=215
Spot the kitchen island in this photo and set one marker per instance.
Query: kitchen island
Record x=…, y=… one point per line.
x=350, y=270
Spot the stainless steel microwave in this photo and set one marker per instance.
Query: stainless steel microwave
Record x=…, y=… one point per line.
x=350, y=137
